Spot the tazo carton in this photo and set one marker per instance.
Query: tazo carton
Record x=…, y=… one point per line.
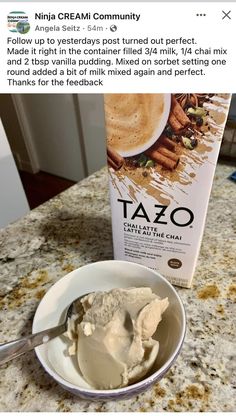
x=162, y=151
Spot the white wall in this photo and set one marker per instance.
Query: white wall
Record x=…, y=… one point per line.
x=93, y=127
x=64, y=133
x=14, y=134
x=13, y=202
x=51, y=125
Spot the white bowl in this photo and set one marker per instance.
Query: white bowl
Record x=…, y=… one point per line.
x=106, y=275
x=157, y=133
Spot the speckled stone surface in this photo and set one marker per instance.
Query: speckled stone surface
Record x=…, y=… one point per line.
x=74, y=229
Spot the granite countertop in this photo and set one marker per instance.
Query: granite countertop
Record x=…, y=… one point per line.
x=74, y=229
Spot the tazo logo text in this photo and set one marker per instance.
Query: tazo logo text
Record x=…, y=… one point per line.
x=159, y=217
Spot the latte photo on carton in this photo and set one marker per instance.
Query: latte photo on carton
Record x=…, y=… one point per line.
x=162, y=151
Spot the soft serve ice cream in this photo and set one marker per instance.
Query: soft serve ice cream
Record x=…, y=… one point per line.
x=113, y=343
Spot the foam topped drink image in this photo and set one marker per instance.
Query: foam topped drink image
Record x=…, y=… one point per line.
x=162, y=151
x=135, y=120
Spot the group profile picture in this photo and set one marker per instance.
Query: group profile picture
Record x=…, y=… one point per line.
x=18, y=22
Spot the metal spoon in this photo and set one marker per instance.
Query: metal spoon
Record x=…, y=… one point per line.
x=13, y=349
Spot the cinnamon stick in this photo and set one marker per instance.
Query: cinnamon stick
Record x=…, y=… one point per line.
x=174, y=123
x=178, y=112
x=167, y=143
x=111, y=163
x=114, y=159
x=163, y=160
x=168, y=153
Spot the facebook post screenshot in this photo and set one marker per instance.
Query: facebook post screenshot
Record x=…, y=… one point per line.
x=117, y=206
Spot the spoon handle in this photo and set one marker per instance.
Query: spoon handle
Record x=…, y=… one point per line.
x=15, y=348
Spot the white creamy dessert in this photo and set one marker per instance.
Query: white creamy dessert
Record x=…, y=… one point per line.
x=113, y=343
